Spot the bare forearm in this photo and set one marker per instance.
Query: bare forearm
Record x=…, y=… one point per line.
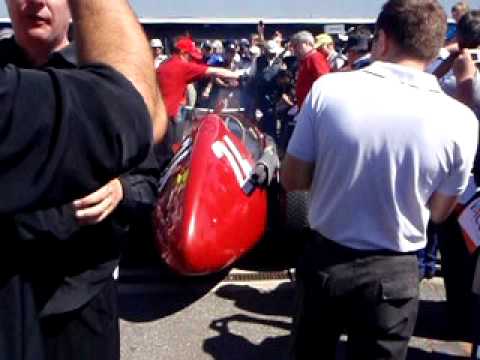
x=445, y=66
x=225, y=73
x=465, y=91
x=441, y=206
x=112, y=35
x=296, y=174
x=160, y=120
x=287, y=99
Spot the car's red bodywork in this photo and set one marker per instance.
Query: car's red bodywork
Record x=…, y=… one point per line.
x=204, y=219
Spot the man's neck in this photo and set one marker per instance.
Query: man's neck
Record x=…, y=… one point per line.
x=307, y=53
x=408, y=62
x=397, y=57
x=38, y=55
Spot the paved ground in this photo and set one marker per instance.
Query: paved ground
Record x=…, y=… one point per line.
x=204, y=319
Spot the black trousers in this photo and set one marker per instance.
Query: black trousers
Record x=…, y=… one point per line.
x=372, y=296
x=91, y=332
x=462, y=284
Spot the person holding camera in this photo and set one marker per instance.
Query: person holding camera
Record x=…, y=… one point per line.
x=458, y=73
x=459, y=77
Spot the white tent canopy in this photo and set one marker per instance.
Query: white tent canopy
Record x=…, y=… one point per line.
x=250, y=11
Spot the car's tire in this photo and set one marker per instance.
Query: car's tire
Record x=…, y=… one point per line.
x=296, y=210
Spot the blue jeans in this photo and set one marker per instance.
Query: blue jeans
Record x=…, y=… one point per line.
x=427, y=257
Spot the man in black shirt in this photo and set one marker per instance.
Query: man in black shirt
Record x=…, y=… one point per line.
x=56, y=157
x=57, y=294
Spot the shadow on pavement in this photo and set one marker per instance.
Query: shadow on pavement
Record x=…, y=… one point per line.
x=432, y=324
x=280, y=301
x=162, y=297
x=229, y=346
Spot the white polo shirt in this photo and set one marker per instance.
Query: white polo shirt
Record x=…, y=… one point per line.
x=382, y=140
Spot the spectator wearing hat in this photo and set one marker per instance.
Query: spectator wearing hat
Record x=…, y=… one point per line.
x=278, y=38
x=158, y=52
x=216, y=58
x=245, y=54
x=255, y=41
x=263, y=71
x=325, y=44
x=226, y=89
x=358, y=48
x=173, y=77
x=313, y=63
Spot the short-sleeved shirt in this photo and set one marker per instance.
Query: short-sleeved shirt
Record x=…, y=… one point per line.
x=313, y=66
x=65, y=133
x=173, y=77
x=382, y=141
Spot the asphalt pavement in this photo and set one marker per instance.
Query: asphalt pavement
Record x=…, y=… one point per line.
x=243, y=316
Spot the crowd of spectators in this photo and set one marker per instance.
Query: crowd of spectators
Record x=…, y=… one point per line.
x=272, y=80
x=274, y=74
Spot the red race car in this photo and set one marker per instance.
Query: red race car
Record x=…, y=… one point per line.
x=218, y=194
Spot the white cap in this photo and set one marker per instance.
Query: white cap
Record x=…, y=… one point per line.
x=255, y=50
x=272, y=47
x=217, y=45
x=6, y=33
x=156, y=43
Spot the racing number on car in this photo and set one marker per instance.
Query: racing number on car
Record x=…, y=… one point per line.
x=240, y=166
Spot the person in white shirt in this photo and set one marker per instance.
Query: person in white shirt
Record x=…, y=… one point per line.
x=380, y=154
x=158, y=52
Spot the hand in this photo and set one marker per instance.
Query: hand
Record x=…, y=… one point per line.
x=233, y=83
x=463, y=67
x=261, y=28
x=293, y=111
x=94, y=208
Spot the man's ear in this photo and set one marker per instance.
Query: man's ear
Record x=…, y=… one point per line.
x=381, y=45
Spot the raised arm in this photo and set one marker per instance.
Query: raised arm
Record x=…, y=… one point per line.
x=108, y=32
x=223, y=73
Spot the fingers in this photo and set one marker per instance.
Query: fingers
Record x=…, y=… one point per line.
x=94, y=198
x=96, y=213
x=464, y=67
x=95, y=207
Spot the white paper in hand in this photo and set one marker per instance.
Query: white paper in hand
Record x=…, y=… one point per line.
x=469, y=221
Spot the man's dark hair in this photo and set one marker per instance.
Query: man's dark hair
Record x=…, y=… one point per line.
x=468, y=30
x=418, y=27
x=359, y=40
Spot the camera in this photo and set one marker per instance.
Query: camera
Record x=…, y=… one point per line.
x=475, y=55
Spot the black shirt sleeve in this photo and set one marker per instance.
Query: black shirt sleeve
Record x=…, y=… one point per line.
x=65, y=133
x=59, y=223
x=140, y=190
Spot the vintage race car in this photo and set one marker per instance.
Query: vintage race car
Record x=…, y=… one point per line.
x=215, y=196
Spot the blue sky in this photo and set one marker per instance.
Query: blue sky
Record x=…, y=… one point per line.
x=258, y=8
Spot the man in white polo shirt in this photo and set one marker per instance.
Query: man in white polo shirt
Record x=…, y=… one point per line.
x=380, y=153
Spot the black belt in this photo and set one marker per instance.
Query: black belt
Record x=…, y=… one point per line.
x=334, y=248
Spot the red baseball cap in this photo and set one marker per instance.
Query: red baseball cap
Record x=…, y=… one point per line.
x=187, y=45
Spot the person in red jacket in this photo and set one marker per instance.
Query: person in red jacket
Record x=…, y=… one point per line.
x=313, y=63
x=175, y=74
